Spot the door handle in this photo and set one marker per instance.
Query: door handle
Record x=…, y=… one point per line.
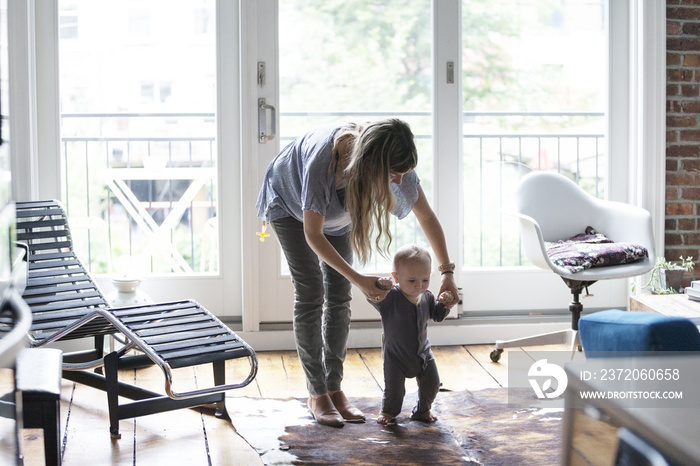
x=264, y=136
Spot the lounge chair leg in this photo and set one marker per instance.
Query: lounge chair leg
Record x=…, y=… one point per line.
x=100, y=343
x=112, y=385
x=220, y=379
x=221, y=412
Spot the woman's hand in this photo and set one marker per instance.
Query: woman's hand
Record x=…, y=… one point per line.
x=385, y=283
x=368, y=285
x=448, y=284
x=445, y=297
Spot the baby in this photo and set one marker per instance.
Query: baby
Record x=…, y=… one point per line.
x=405, y=312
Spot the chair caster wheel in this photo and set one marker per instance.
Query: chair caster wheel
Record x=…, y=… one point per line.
x=496, y=355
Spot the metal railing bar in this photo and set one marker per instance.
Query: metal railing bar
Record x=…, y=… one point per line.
x=558, y=155
x=344, y=113
x=500, y=200
x=138, y=139
x=481, y=200
x=65, y=174
x=418, y=136
x=531, y=114
x=138, y=115
x=87, y=199
x=578, y=160
x=358, y=113
x=532, y=135
x=597, y=168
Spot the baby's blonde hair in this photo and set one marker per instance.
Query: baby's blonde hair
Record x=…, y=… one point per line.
x=411, y=252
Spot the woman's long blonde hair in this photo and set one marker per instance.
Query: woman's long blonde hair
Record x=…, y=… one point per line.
x=376, y=149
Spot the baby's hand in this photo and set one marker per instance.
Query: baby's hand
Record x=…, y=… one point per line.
x=385, y=283
x=445, y=297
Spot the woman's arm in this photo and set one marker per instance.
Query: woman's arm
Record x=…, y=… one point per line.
x=313, y=231
x=436, y=237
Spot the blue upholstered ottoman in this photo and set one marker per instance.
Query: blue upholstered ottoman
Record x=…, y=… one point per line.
x=615, y=330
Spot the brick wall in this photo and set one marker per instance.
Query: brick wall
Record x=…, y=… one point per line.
x=683, y=132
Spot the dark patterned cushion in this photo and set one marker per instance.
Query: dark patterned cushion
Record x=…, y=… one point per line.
x=592, y=249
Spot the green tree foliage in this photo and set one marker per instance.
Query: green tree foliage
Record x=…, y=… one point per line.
x=371, y=55
x=355, y=55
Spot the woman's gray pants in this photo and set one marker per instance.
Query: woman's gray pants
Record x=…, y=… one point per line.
x=321, y=306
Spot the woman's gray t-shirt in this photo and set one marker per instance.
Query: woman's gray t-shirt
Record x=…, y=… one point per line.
x=302, y=177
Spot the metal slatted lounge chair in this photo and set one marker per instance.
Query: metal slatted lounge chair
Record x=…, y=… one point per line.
x=67, y=304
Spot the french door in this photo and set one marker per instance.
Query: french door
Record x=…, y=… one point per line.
x=133, y=98
x=492, y=90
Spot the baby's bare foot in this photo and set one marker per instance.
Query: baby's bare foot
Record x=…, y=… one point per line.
x=425, y=417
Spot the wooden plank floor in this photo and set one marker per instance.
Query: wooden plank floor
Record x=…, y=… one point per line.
x=195, y=437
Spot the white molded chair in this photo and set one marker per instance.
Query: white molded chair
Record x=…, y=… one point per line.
x=551, y=207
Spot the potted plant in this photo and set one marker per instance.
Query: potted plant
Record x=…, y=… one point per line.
x=669, y=275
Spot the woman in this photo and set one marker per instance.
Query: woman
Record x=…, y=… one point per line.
x=325, y=195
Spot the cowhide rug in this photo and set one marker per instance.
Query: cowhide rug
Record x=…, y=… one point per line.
x=478, y=428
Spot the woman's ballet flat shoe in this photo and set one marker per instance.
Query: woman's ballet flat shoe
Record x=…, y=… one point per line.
x=345, y=408
x=324, y=412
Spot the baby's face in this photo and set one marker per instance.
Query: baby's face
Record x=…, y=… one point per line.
x=413, y=277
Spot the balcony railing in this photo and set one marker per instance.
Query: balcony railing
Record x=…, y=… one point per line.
x=143, y=202
x=150, y=198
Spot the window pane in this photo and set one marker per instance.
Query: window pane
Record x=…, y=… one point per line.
x=535, y=80
x=138, y=129
x=359, y=60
